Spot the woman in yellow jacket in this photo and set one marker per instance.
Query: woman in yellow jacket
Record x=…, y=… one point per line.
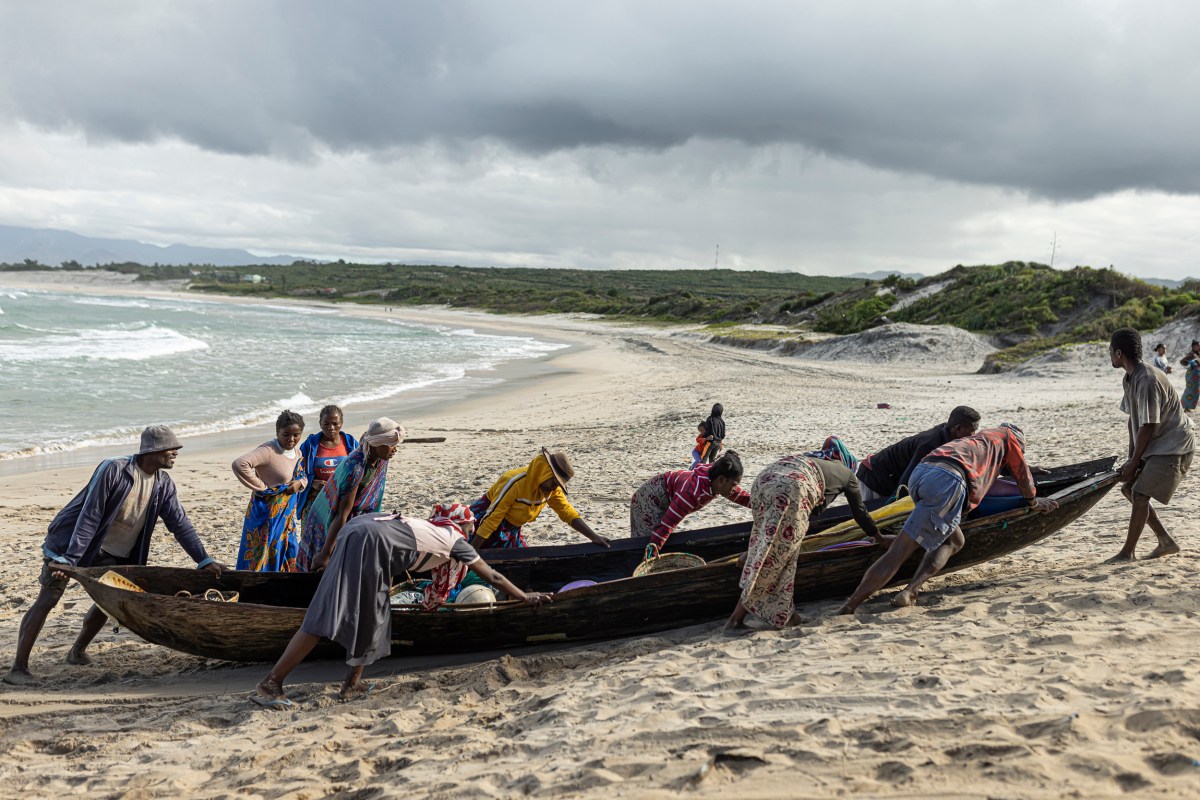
x=519, y=495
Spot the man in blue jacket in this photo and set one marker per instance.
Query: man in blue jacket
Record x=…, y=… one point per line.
x=109, y=523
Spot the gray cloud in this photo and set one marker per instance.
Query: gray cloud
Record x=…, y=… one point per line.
x=1063, y=100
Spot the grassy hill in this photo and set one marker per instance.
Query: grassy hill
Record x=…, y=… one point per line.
x=663, y=295
x=1024, y=307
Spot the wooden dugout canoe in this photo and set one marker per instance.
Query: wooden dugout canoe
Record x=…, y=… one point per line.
x=273, y=604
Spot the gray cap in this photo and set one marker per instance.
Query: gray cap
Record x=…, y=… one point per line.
x=157, y=438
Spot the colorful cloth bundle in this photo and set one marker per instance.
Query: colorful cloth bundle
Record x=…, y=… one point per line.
x=835, y=450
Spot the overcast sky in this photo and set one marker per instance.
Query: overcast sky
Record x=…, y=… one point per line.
x=828, y=137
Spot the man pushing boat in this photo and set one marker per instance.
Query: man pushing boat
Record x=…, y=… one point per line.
x=956, y=475
x=109, y=523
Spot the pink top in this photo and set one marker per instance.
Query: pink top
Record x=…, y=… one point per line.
x=266, y=466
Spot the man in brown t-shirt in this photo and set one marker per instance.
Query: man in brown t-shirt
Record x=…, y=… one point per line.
x=1161, y=442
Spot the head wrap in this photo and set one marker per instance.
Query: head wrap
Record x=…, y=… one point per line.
x=452, y=515
x=383, y=431
x=835, y=450
x=445, y=577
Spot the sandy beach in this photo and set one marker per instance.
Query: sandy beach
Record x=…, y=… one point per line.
x=1044, y=674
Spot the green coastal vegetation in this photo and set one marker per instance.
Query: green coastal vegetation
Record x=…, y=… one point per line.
x=1025, y=308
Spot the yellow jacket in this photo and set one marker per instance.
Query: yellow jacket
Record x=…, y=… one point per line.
x=517, y=498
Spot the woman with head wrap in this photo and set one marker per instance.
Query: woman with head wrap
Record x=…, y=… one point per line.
x=351, y=604
x=783, y=498
x=355, y=488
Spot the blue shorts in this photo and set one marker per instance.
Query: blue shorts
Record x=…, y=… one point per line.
x=938, y=493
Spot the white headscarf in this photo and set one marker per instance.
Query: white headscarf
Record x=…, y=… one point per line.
x=382, y=431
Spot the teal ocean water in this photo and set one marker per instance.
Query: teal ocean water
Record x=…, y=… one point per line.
x=79, y=371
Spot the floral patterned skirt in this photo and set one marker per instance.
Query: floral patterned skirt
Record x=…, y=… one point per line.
x=648, y=505
x=782, y=497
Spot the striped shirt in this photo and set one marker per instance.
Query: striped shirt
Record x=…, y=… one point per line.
x=980, y=459
x=690, y=490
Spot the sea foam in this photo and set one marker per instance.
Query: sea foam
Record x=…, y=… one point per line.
x=112, y=344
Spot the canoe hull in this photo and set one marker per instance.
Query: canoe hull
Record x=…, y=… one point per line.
x=257, y=631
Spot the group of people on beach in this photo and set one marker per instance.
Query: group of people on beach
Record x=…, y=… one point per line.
x=316, y=503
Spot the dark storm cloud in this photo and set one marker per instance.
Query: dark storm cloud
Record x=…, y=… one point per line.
x=1064, y=100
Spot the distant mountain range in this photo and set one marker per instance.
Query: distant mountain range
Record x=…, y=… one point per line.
x=53, y=247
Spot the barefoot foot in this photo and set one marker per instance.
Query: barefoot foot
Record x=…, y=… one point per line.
x=1167, y=548
x=905, y=598
x=79, y=658
x=1121, y=558
x=20, y=677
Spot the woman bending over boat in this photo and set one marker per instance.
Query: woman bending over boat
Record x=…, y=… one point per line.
x=351, y=604
x=783, y=497
x=355, y=488
x=274, y=472
x=519, y=495
x=662, y=502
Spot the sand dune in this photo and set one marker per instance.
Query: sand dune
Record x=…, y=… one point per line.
x=1044, y=674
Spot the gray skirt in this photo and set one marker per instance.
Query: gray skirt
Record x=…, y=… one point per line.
x=351, y=604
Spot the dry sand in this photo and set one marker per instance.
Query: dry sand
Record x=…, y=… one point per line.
x=1044, y=674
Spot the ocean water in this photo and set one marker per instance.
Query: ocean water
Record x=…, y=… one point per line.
x=79, y=371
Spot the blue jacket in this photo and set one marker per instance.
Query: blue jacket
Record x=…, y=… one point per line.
x=76, y=533
x=308, y=451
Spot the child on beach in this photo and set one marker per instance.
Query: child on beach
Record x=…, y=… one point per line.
x=701, y=447
x=715, y=426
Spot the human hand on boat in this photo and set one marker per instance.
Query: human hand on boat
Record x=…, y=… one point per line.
x=1044, y=505
x=216, y=567
x=884, y=539
x=537, y=598
x=600, y=540
x=1128, y=471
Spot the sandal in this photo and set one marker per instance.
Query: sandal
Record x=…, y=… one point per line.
x=273, y=703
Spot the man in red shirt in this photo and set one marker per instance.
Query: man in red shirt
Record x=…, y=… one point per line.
x=957, y=474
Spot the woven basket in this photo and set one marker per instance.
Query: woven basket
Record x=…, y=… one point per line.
x=211, y=595
x=667, y=562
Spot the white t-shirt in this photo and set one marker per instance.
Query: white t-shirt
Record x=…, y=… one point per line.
x=131, y=519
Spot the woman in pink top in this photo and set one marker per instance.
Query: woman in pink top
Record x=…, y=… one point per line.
x=663, y=501
x=274, y=472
